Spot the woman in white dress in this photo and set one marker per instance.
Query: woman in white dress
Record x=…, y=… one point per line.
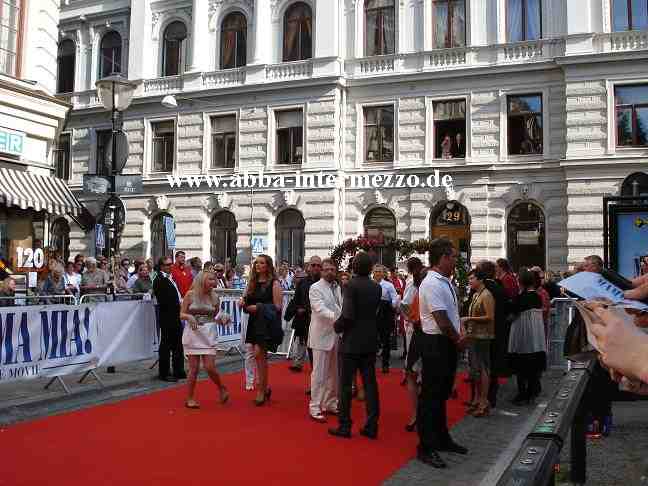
x=201, y=311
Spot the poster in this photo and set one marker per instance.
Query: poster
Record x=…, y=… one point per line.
x=631, y=249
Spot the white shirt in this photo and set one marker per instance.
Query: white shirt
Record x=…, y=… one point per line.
x=436, y=293
x=131, y=281
x=74, y=280
x=170, y=277
x=408, y=296
x=389, y=293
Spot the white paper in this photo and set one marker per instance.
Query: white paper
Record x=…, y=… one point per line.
x=589, y=285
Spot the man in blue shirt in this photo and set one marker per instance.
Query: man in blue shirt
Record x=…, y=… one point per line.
x=389, y=303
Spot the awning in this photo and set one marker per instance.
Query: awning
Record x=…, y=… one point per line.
x=27, y=190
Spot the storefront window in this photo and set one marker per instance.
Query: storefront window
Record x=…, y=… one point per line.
x=22, y=231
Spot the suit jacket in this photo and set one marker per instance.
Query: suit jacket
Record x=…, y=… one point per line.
x=326, y=308
x=300, y=299
x=359, y=324
x=168, y=301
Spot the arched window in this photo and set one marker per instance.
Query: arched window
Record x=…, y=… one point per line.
x=110, y=50
x=298, y=33
x=66, y=64
x=162, y=234
x=526, y=236
x=380, y=224
x=635, y=185
x=223, y=237
x=234, y=41
x=60, y=238
x=451, y=220
x=380, y=27
x=174, y=51
x=290, y=237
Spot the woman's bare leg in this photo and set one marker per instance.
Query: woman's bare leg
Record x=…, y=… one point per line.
x=194, y=367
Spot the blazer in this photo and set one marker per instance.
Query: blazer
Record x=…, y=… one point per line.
x=326, y=308
x=167, y=298
x=359, y=324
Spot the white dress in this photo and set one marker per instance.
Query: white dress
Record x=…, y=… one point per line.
x=204, y=339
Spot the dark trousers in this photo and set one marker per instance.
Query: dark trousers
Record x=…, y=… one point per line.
x=171, y=349
x=439, y=355
x=386, y=326
x=349, y=365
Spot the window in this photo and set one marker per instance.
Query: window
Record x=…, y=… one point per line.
x=290, y=237
x=290, y=136
x=380, y=225
x=223, y=139
x=111, y=49
x=104, y=166
x=11, y=20
x=223, y=238
x=525, y=124
x=163, y=146
x=62, y=157
x=631, y=115
x=449, y=23
x=162, y=230
x=174, y=49
x=629, y=15
x=450, y=129
x=234, y=41
x=523, y=20
x=379, y=133
x=526, y=236
x=66, y=64
x=380, y=27
x=298, y=33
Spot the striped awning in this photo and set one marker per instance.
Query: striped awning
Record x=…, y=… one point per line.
x=27, y=190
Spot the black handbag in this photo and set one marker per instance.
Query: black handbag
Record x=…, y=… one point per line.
x=576, y=347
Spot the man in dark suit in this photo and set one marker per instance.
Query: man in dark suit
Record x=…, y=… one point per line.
x=168, y=298
x=359, y=328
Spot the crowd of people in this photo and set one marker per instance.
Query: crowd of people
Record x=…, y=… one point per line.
x=346, y=321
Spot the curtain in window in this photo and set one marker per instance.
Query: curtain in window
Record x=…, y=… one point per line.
x=229, y=43
x=174, y=39
x=380, y=27
x=533, y=19
x=620, y=18
x=233, y=41
x=514, y=20
x=441, y=34
x=110, y=54
x=298, y=29
x=458, y=23
x=639, y=14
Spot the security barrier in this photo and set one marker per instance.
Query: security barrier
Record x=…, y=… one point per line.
x=19, y=300
x=562, y=312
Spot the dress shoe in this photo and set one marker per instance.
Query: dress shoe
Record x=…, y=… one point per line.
x=318, y=418
x=411, y=427
x=181, y=376
x=454, y=447
x=335, y=411
x=431, y=459
x=345, y=434
x=294, y=368
x=385, y=369
x=170, y=379
x=369, y=434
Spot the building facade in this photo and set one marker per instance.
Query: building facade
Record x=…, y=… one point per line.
x=34, y=202
x=536, y=108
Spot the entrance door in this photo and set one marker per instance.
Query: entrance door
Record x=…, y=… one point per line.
x=451, y=220
x=526, y=236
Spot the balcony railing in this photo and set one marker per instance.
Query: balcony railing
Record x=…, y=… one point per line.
x=448, y=58
x=627, y=41
x=81, y=99
x=166, y=84
x=225, y=77
x=289, y=70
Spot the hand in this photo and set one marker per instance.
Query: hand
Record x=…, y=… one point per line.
x=241, y=303
x=301, y=311
x=462, y=343
x=251, y=309
x=193, y=323
x=225, y=319
x=623, y=347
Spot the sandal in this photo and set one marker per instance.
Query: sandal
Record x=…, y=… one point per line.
x=482, y=411
x=192, y=404
x=224, y=395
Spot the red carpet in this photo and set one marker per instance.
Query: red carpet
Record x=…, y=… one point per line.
x=154, y=440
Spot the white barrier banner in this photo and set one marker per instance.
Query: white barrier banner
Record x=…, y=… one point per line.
x=230, y=334
x=127, y=331
x=46, y=341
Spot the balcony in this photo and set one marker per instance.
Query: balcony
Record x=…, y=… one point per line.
x=223, y=78
x=287, y=71
x=165, y=85
x=530, y=51
x=626, y=41
x=81, y=99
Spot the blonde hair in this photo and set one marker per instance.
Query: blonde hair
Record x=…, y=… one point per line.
x=198, y=288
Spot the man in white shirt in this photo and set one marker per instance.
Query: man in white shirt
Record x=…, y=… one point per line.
x=389, y=304
x=325, y=299
x=440, y=342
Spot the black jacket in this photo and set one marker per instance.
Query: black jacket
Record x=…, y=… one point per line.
x=301, y=298
x=168, y=301
x=358, y=324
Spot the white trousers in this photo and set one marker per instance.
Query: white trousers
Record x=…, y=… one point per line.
x=250, y=365
x=324, y=381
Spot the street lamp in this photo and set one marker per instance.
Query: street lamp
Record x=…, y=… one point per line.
x=116, y=94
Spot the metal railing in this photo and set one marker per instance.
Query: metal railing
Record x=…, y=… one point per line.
x=18, y=300
x=564, y=417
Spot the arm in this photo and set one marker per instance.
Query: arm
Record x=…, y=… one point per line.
x=348, y=313
x=638, y=293
x=446, y=327
x=393, y=297
x=277, y=296
x=185, y=315
x=317, y=303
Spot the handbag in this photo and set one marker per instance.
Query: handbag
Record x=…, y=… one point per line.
x=576, y=347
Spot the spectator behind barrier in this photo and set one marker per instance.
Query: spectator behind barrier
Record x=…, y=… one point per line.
x=7, y=289
x=143, y=284
x=72, y=279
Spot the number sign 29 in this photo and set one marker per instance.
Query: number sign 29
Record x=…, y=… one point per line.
x=28, y=258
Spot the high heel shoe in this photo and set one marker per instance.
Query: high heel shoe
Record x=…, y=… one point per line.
x=482, y=411
x=224, y=395
x=410, y=427
x=260, y=398
x=268, y=393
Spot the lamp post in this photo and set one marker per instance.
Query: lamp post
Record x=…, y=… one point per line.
x=116, y=94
